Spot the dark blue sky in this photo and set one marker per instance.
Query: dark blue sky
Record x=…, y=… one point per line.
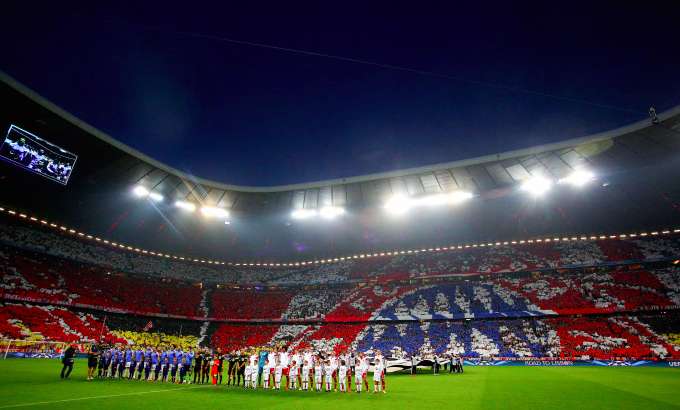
x=151, y=76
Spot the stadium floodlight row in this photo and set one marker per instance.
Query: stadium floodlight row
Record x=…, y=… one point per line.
x=466, y=201
x=536, y=185
x=127, y=247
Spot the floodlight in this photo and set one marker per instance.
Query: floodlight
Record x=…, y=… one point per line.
x=432, y=200
x=398, y=205
x=156, y=196
x=303, y=213
x=457, y=197
x=214, y=212
x=331, y=212
x=187, y=206
x=140, y=191
x=537, y=185
x=578, y=178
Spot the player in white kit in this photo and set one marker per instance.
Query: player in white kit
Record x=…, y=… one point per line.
x=318, y=375
x=297, y=358
x=293, y=374
x=305, y=376
x=342, y=375
x=269, y=370
x=254, y=370
x=284, y=362
x=247, y=373
x=309, y=358
x=361, y=372
x=358, y=379
x=329, y=373
x=365, y=364
x=378, y=370
x=334, y=371
x=278, y=372
x=265, y=378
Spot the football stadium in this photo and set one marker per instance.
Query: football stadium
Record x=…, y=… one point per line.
x=541, y=277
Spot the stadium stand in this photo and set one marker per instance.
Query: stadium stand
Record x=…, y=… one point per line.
x=597, y=298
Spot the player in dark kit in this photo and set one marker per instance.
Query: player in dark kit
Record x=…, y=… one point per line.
x=231, y=369
x=220, y=357
x=241, y=370
x=92, y=359
x=198, y=363
x=205, y=370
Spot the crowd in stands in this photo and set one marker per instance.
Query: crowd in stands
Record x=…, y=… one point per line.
x=493, y=302
x=642, y=336
x=51, y=323
x=88, y=251
x=479, y=260
x=39, y=278
x=185, y=342
x=44, y=278
x=249, y=303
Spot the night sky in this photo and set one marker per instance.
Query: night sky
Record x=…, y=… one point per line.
x=169, y=82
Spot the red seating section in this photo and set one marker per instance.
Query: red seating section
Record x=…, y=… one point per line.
x=234, y=337
x=49, y=279
x=249, y=303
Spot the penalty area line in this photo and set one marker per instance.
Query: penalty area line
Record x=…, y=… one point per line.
x=108, y=396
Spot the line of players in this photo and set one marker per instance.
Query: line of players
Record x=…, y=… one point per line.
x=307, y=371
x=303, y=370
x=150, y=364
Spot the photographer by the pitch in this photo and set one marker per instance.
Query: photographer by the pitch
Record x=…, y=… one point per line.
x=67, y=360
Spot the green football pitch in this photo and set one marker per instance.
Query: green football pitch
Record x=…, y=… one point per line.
x=35, y=384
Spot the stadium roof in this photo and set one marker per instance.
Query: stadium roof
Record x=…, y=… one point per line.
x=637, y=168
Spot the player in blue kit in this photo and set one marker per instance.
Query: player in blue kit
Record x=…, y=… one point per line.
x=165, y=365
x=130, y=363
x=147, y=363
x=155, y=363
x=104, y=363
x=185, y=366
x=114, y=362
x=127, y=363
x=174, y=362
x=121, y=362
x=137, y=362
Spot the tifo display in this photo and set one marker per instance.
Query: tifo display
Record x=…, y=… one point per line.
x=604, y=299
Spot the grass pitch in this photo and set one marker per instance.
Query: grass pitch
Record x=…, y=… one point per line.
x=35, y=383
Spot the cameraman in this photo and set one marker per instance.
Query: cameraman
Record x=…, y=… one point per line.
x=67, y=360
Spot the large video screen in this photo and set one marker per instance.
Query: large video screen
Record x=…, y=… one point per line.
x=34, y=154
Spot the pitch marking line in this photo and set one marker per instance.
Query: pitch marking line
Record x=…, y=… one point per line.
x=38, y=403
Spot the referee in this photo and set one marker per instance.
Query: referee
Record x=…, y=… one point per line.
x=198, y=364
x=67, y=360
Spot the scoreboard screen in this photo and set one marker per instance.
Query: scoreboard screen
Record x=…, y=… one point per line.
x=34, y=154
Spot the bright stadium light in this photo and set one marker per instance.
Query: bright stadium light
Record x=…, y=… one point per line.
x=331, y=212
x=214, y=212
x=578, y=178
x=431, y=200
x=187, y=206
x=536, y=185
x=155, y=196
x=140, y=191
x=398, y=205
x=457, y=197
x=303, y=213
